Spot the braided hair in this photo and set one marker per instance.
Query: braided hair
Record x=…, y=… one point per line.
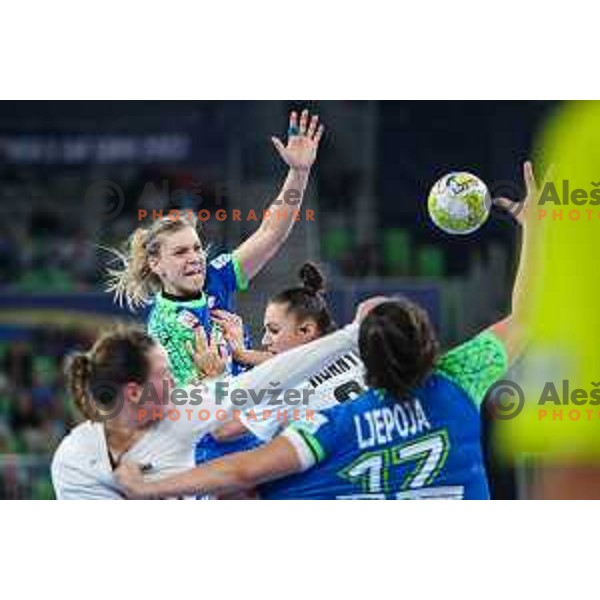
x=94, y=378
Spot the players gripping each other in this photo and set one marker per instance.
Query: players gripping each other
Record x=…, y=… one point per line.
x=414, y=434
x=292, y=318
x=166, y=263
x=123, y=388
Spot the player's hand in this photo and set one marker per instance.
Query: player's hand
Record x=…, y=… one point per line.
x=366, y=306
x=232, y=327
x=130, y=479
x=303, y=141
x=521, y=210
x=209, y=359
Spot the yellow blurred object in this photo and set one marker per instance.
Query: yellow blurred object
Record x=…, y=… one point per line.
x=564, y=285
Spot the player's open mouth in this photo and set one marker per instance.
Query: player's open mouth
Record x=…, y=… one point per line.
x=193, y=271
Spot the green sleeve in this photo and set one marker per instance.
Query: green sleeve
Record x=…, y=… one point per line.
x=241, y=279
x=475, y=365
x=164, y=326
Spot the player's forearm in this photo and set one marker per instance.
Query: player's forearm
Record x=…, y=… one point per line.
x=220, y=477
x=251, y=357
x=526, y=272
x=262, y=245
x=290, y=198
x=513, y=330
x=290, y=368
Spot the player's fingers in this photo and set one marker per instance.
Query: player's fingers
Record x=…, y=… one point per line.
x=225, y=315
x=200, y=339
x=234, y=319
x=213, y=346
x=303, y=121
x=504, y=203
x=319, y=134
x=225, y=328
x=312, y=128
x=529, y=177
x=293, y=125
x=278, y=145
x=190, y=349
x=219, y=320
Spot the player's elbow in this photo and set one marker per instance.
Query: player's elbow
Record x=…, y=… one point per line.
x=234, y=473
x=244, y=477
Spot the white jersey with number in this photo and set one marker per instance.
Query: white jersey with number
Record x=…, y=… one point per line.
x=81, y=467
x=338, y=381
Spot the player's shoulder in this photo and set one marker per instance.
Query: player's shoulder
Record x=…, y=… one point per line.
x=224, y=273
x=156, y=311
x=220, y=261
x=345, y=411
x=83, y=440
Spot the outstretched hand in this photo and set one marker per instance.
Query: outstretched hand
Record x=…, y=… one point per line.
x=303, y=141
x=209, y=358
x=366, y=306
x=232, y=327
x=532, y=193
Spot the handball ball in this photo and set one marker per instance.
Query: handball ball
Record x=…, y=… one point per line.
x=459, y=203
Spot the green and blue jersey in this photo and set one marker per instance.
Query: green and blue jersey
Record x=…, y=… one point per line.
x=172, y=322
x=380, y=447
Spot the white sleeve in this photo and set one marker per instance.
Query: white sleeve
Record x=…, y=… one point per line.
x=73, y=482
x=213, y=401
x=198, y=412
x=289, y=369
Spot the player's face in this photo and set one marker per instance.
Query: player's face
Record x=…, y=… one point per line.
x=161, y=383
x=159, y=373
x=283, y=331
x=181, y=265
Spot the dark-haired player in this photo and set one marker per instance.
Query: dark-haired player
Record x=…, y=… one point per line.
x=293, y=317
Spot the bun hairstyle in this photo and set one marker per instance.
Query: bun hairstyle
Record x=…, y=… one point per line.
x=308, y=300
x=398, y=345
x=95, y=377
x=312, y=279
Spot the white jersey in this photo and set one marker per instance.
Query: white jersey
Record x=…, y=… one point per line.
x=81, y=467
x=340, y=380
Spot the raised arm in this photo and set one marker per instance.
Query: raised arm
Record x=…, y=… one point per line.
x=512, y=330
x=299, y=155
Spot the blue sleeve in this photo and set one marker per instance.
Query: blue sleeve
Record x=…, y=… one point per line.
x=224, y=277
x=209, y=448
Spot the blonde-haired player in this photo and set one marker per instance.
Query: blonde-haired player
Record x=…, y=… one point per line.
x=166, y=262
